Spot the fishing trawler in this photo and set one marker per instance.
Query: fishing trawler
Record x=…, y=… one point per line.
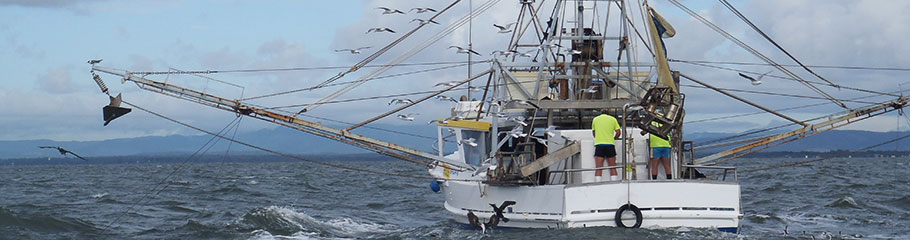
x=522, y=154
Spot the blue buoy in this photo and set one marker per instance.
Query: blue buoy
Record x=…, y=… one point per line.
x=434, y=185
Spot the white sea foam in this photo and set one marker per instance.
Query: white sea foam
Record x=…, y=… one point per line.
x=100, y=195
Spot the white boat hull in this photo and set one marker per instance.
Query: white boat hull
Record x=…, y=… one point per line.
x=662, y=204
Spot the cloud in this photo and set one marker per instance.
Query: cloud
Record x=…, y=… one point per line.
x=46, y=3
x=57, y=80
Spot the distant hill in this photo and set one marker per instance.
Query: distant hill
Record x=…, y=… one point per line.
x=294, y=142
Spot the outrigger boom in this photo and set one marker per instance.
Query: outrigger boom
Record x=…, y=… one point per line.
x=315, y=128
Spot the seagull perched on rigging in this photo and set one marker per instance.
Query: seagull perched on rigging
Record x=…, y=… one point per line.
x=424, y=21
x=380, y=29
x=353, y=51
x=422, y=10
x=504, y=29
x=755, y=81
x=63, y=151
x=465, y=50
x=94, y=61
x=401, y=101
x=407, y=117
x=446, y=98
x=386, y=10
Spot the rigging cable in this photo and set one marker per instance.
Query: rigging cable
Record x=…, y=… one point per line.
x=218, y=135
x=824, y=158
x=793, y=65
x=747, y=21
x=756, y=52
x=780, y=77
x=164, y=183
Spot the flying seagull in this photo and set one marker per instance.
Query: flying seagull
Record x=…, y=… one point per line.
x=401, y=101
x=438, y=121
x=423, y=21
x=465, y=50
x=446, y=98
x=502, y=53
x=550, y=131
x=755, y=81
x=386, y=10
x=94, y=61
x=525, y=103
x=353, y=51
x=590, y=89
x=422, y=10
x=504, y=29
x=470, y=141
x=63, y=151
x=406, y=117
x=380, y=29
x=447, y=84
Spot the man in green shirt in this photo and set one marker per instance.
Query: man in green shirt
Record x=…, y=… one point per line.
x=661, y=154
x=605, y=129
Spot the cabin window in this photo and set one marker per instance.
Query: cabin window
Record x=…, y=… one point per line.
x=475, y=155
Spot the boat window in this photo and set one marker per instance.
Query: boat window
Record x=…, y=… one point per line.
x=475, y=155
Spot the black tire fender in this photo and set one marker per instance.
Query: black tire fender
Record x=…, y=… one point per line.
x=624, y=208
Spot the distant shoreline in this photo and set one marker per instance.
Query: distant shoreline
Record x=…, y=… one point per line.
x=261, y=157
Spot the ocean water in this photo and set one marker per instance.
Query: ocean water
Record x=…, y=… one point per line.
x=839, y=198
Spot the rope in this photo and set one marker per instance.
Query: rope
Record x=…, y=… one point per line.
x=179, y=167
x=785, y=78
x=218, y=135
x=746, y=20
x=754, y=52
x=792, y=65
x=174, y=72
x=824, y=158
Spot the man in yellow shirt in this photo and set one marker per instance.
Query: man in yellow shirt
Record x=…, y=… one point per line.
x=605, y=129
x=661, y=154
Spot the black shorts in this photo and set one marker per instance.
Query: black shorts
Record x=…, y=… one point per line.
x=604, y=150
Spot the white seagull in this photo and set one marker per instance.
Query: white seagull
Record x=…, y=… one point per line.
x=550, y=131
x=353, y=51
x=465, y=50
x=386, y=10
x=438, y=121
x=501, y=53
x=407, y=117
x=475, y=89
x=447, y=84
x=424, y=21
x=401, y=101
x=380, y=29
x=422, y=10
x=590, y=89
x=94, y=61
x=469, y=141
x=518, y=120
x=505, y=29
x=446, y=98
x=755, y=81
x=524, y=102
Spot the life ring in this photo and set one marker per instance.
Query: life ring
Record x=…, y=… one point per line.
x=622, y=209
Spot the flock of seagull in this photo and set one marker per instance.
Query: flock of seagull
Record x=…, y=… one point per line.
x=505, y=28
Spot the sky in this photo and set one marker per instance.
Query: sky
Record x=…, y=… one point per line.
x=48, y=93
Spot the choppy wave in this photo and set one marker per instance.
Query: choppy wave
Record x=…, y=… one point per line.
x=846, y=201
x=42, y=223
x=284, y=221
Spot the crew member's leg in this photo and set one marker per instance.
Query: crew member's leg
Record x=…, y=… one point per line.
x=599, y=163
x=666, y=162
x=654, y=165
x=612, y=162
